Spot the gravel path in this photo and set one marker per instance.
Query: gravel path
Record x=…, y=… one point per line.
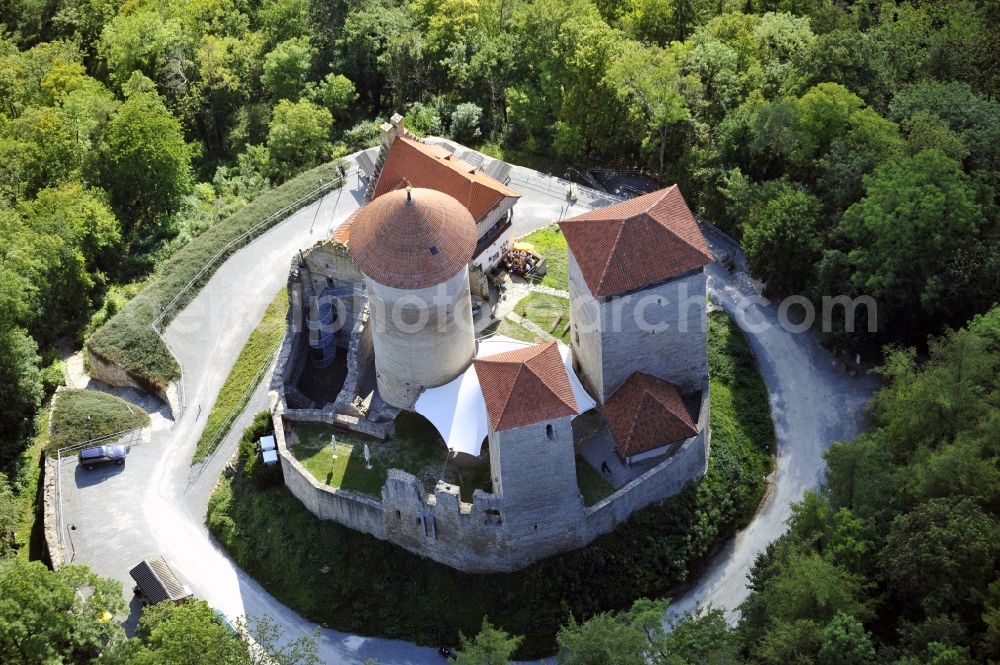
x=158, y=503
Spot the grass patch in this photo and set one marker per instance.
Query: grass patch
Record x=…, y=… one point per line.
x=593, y=486
x=415, y=446
x=551, y=243
x=128, y=341
x=244, y=376
x=545, y=311
x=510, y=329
x=353, y=582
x=82, y=415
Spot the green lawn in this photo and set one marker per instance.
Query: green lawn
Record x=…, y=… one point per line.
x=244, y=376
x=342, y=578
x=415, y=447
x=593, y=485
x=550, y=243
x=82, y=415
x=545, y=310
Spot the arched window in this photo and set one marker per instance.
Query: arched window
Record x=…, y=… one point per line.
x=549, y=432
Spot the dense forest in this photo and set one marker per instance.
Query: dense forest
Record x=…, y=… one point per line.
x=852, y=147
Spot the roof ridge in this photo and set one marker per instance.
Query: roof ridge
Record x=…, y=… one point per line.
x=611, y=255
x=676, y=235
x=634, y=421
x=542, y=350
x=510, y=394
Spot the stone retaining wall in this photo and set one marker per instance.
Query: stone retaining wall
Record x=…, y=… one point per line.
x=664, y=480
x=113, y=375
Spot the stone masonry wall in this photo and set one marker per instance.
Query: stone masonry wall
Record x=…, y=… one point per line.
x=674, y=343
x=113, y=375
x=358, y=512
x=493, y=533
x=662, y=481
x=585, y=332
x=534, y=472
x=661, y=330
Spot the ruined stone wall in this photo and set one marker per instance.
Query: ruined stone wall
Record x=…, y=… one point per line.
x=330, y=263
x=360, y=361
x=358, y=512
x=664, y=480
x=542, y=513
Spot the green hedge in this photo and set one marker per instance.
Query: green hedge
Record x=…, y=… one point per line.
x=81, y=415
x=128, y=341
x=353, y=582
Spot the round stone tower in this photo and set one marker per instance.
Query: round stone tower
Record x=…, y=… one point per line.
x=414, y=246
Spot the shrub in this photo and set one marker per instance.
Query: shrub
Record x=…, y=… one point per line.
x=53, y=376
x=128, y=340
x=82, y=415
x=249, y=458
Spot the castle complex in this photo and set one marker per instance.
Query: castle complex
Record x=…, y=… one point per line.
x=382, y=321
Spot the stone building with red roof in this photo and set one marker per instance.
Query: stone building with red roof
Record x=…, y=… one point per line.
x=382, y=322
x=638, y=318
x=637, y=292
x=406, y=161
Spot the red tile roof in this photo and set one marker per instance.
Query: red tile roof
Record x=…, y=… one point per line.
x=647, y=413
x=525, y=386
x=422, y=165
x=637, y=242
x=343, y=232
x=412, y=244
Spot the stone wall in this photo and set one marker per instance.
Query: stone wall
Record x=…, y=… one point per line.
x=661, y=330
x=360, y=361
x=113, y=375
x=50, y=512
x=329, y=264
x=422, y=338
x=664, y=480
x=585, y=331
x=534, y=472
x=543, y=514
x=358, y=512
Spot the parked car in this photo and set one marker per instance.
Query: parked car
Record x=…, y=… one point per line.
x=91, y=457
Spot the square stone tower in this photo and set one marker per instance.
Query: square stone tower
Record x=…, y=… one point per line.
x=637, y=293
x=530, y=404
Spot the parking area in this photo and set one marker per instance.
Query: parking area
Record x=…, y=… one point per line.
x=100, y=507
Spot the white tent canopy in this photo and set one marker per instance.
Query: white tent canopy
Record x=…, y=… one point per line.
x=457, y=409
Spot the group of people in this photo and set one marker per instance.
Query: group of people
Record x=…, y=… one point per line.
x=519, y=261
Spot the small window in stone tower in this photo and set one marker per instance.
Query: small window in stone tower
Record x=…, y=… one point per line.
x=549, y=432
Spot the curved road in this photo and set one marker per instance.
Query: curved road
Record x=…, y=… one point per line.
x=158, y=503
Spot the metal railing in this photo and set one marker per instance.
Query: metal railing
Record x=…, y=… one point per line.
x=241, y=240
x=236, y=243
x=133, y=437
x=226, y=426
